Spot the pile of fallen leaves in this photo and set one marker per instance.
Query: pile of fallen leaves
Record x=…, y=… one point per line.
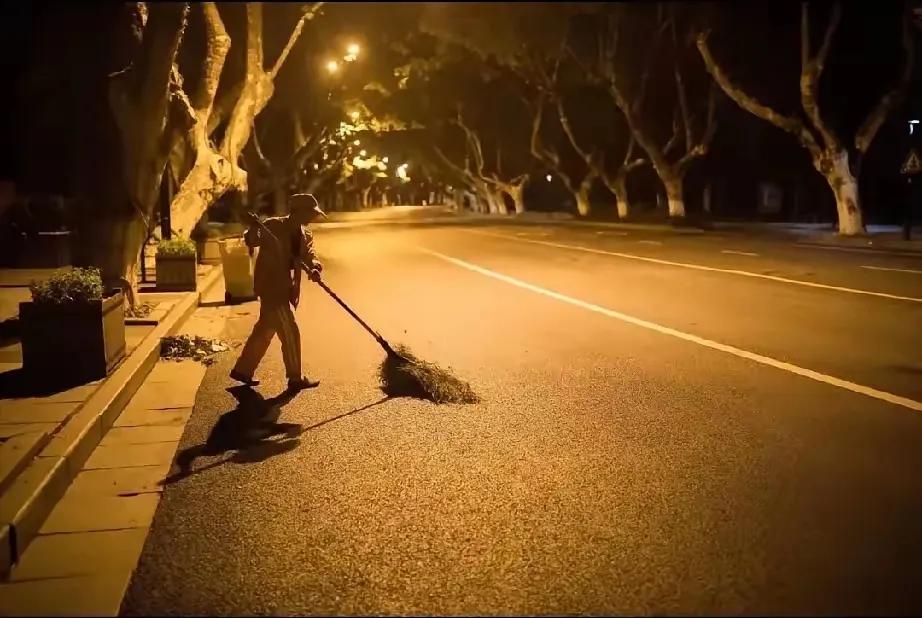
x=179, y=347
x=139, y=311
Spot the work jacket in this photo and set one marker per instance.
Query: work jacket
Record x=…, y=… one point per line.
x=272, y=278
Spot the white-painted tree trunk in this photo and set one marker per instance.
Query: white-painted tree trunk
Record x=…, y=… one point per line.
x=582, y=203
x=675, y=199
x=619, y=186
x=844, y=187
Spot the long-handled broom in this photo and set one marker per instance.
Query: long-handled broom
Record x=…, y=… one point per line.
x=402, y=374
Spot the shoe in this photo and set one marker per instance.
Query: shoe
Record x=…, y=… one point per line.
x=297, y=384
x=249, y=381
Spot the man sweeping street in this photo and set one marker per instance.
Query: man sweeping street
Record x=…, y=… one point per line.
x=283, y=242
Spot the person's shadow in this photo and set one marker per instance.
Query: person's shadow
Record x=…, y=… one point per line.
x=250, y=431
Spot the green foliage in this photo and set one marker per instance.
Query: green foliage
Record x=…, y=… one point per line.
x=176, y=247
x=79, y=285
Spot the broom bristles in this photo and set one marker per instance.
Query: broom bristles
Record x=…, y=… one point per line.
x=422, y=380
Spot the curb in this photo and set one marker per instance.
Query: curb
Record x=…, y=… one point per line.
x=870, y=247
x=36, y=491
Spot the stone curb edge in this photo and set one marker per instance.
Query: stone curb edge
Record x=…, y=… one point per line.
x=42, y=484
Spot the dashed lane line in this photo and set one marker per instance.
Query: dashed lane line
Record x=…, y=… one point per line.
x=708, y=343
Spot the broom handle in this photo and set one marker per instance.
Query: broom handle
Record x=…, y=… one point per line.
x=381, y=341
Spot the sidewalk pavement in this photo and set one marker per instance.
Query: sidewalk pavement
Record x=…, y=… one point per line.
x=86, y=550
x=45, y=438
x=877, y=237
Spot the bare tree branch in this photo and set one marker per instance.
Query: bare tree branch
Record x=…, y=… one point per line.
x=791, y=124
x=813, y=70
x=676, y=133
x=217, y=45
x=895, y=96
x=308, y=15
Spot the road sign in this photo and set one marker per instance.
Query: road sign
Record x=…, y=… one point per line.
x=912, y=164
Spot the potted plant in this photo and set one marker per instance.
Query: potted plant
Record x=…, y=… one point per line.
x=176, y=265
x=70, y=331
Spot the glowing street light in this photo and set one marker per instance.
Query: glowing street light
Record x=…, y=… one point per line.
x=548, y=177
x=332, y=67
x=357, y=142
x=352, y=52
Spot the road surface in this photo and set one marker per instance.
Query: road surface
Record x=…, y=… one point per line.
x=671, y=423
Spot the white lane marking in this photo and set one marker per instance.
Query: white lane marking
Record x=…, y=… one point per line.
x=708, y=343
x=649, y=242
x=732, y=252
x=896, y=270
x=742, y=273
x=857, y=250
x=607, y=233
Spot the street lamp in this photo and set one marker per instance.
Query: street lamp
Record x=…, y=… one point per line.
x=332, y=67
x=352, y=52
x=548, y=177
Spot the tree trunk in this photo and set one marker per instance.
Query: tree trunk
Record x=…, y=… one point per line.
x=675, y=198
x=582, y=202
x=581, y=195
x=619, y=186
x=517, y=194
x=844, y=187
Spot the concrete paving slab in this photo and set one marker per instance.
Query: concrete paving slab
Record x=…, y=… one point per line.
x=140, y=417
x=145, y=434
x=94, y=595
x=16, y=453
x=74, y=513
x=124, y=455
x=80, y=553
x=173, y=371
x=77, y=394
x=11, y=412
x=17, y=429
x=156, y=397
x=115, y=481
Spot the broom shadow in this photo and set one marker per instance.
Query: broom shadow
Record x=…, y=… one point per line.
x=248, y=431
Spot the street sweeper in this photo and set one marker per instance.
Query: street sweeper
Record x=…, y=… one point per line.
x=284, y=244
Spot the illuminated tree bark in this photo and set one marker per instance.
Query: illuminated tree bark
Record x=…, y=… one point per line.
x=831, y=157
x=216, y=170
x=145, y=99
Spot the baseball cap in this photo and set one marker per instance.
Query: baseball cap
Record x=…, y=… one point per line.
x=305, y=201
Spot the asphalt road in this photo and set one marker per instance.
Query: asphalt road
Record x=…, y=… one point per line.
x=654, y=437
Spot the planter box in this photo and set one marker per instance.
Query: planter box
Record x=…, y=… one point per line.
x=47, y=250
x=208, y=251
x=176, y=274
x=74, y=342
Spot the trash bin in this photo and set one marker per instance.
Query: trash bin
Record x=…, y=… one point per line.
x=238, y=270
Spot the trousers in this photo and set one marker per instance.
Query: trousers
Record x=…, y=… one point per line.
x=275, y=318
